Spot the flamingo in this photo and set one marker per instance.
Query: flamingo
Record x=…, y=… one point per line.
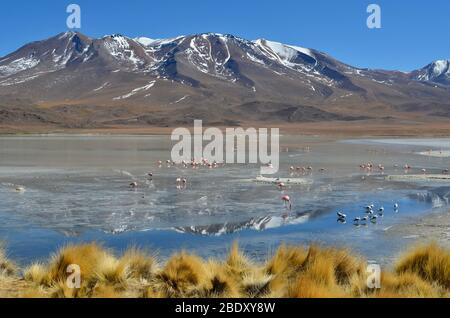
x=281, y=185
x=20, y=189
x=341, y=215
x=133, y=185
x=287, y=200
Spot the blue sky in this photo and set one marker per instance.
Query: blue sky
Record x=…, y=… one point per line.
x=413, y=32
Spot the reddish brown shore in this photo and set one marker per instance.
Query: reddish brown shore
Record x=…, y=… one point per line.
x=337, y=129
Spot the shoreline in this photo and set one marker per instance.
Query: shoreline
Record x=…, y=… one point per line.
x=419, y=177
x=337, y=129
x=435, y=226
x=436, y=153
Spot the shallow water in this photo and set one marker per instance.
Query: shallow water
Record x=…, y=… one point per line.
x=76, y=189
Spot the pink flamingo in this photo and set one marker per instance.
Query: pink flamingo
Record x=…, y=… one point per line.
x=287, y=201
x=281, y=185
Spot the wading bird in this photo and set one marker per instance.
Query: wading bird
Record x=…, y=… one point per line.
x=341, y=215
x=20, y=189
x=287, y=201
x=133, y=185
x=281, y=185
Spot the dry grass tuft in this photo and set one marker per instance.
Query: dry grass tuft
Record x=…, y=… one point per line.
x=316, y=272
x=35, y=273
x=287, y=261
x=7, y=268
x=222, y=284
x=91, y=258
x=138, y=265
x=430, y=262
x=326, y=273
x=183, y=276
x=237, y=264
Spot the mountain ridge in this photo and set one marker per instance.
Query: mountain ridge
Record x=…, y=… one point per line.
x=73, y=80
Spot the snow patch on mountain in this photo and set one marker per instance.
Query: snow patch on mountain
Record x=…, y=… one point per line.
x=119, y=47
x=440, y=67
x=208, y=58
x=284, y=54
x=145, y=41
x=181, y=99
x=435, y=70
x=18, y=66
x=101, y=87
x=136, y=90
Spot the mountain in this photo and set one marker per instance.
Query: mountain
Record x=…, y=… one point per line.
x=74, y=81
x=437, y=72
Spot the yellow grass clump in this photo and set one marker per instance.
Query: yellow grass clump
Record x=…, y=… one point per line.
x=430, y=262
x=295, y=272
x=7, y=268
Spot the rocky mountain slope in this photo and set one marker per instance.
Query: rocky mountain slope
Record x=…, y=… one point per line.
x=72, y=80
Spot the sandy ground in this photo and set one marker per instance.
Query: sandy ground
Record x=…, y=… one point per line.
x=11, y=287
x=433, y=227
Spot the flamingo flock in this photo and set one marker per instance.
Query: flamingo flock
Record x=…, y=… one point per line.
x=304, y=170
x=181, y=182
x=370, y=215
x=370, y=167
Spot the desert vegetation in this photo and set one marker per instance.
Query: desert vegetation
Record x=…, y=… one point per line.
x=296, y=272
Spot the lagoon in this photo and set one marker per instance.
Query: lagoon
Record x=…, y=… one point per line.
x=77, y=190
